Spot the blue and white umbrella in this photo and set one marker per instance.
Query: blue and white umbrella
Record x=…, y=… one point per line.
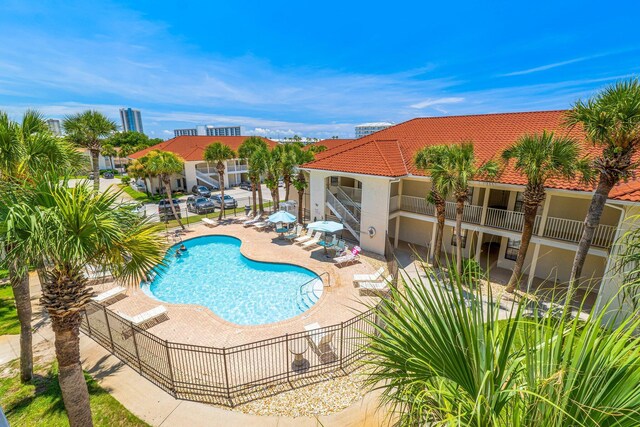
x=325, y=226
x=283, y=217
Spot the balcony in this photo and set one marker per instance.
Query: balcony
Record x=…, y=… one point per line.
x=563, y=229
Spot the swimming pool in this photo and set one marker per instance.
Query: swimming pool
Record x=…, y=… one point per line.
x=213, y=273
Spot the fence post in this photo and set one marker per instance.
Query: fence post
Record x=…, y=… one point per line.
x=226, y=375
x=106, y=318
x=286, y=337
x=173, y=383
x=341, y=343
x=135, y=345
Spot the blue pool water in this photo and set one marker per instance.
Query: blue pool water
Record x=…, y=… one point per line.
x=213, y=273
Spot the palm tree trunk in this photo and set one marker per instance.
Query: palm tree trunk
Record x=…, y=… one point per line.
x=300, y=211
x=253, y=194
x=530, y=212
x=591, y=222
x=72, y=383
x=221, y=179
x=260, y=201
x=19, y=279
x=437, y=251
x=287, y=182
x=95, y=163
x=167, y=188
x=459, y=213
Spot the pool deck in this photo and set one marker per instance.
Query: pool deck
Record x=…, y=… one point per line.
x=193, y=324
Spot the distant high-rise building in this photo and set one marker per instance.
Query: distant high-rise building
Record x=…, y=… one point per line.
x=369, y=128
x=54, y=126
x=131, y=120
x=209, y=130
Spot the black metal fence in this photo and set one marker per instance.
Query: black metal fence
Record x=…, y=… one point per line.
x=233, y=375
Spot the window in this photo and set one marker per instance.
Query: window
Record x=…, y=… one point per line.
x=334, y=181
x=519, y=202
x=512, y=249
x=464, y=238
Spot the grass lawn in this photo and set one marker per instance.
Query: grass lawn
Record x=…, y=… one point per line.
x=137, y=195
x=239, y=211
x=4, y=273
x=39, y=403
x=9, y=324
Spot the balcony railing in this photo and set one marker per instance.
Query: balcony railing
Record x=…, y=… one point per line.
x=555, y=228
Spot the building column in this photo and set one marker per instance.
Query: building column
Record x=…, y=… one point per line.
x=534, y=265
x=433, y=239
x=479, y=245
x=396, y=235
x=485, y=204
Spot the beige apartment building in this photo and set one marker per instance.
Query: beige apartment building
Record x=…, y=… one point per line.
x=371, y=185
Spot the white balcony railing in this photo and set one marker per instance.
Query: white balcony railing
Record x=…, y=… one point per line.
x=354, y=194
x=555, y=228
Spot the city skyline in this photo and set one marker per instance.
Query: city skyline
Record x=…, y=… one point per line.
x=158, y=57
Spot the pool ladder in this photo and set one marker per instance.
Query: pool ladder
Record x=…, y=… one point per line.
x=308, y=293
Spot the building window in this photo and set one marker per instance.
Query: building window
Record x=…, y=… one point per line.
x=513, y=246
x=519, y=202
x=464, y=238
x=334, y=181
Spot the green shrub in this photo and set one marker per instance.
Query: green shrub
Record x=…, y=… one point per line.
x=471, y=272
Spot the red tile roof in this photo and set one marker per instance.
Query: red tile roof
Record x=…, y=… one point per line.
x=191, y=148
x=390, y=152
x=332, y=143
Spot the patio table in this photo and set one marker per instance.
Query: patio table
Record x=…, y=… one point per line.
x=298, y=348
x=282, y=231
x=326, y=245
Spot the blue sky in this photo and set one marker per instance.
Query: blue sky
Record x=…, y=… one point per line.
x=312, y=68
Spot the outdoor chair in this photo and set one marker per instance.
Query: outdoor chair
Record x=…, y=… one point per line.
x=313, y=242
x=263, y=225
x=251, y=222
x=111, y=294
x=375, y=288
x=294, y=234
x=244, y=218
x=304, y=236
x=210, y=222
x=368, y=277
x=349, y=258
x=146, y=317
x=321, y=342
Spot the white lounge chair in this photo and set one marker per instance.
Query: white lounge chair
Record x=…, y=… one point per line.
x=368, y=277
x=314, y=240
x=295, y=234
x=262, y=225
x=145, y=317
x=375, y=287
x=321, y=342
x=244, y=218
x=107, y=295
x=209, y=222
x=253, y=221
x=349, y=258
x=303, y=237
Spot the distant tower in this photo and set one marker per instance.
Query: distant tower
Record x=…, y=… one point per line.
x=369, y=128
x=131, y=120
x=54, y=126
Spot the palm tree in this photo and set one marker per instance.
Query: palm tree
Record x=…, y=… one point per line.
x=138, y=170
x=540, y=158
x=438, y=360
x=611, y=121
x=165, y=164
x=68, y=229
x=246, y=150
x=287, y=164
x=109, y=151
x=301, y=156
x=219, y=153
x=88, y=130
x=27, y=151
x=458, y=166
x=271, y=162
x=428, y=160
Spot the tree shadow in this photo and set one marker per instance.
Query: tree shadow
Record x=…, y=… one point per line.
x=8, y=317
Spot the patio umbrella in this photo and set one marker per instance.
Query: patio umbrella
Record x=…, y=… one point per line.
x=325, y=226
x=283, y=217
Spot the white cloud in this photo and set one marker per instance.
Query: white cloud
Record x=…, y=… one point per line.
x=437, y=101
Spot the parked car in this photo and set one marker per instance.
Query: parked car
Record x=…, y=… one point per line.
x=229, y=202
x=199, y=204
x=107, y=175
x=201, y=190
x=164, y=209
x=137, y=208
x=244, y=185
x=140, y=186
x=280, y=183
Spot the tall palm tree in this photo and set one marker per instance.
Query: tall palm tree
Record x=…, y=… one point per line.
x=246, y=150
x=165, y=164
x=458, y=166
x=611, y=121
x=67, y=229
x=27, y=151
x=286, y=153
x=300, y=183
x=109, y=151
x=219, y=153
x=138, y=170
x=271, y=162
x=540, y=157
x=88, y=129
x=428, y=159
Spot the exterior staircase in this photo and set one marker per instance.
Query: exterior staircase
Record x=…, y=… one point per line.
x=206, y=179
x=344, y=214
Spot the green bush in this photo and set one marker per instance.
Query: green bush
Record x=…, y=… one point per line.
x=113, y=171
x=471, y=272
x=125, y=180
